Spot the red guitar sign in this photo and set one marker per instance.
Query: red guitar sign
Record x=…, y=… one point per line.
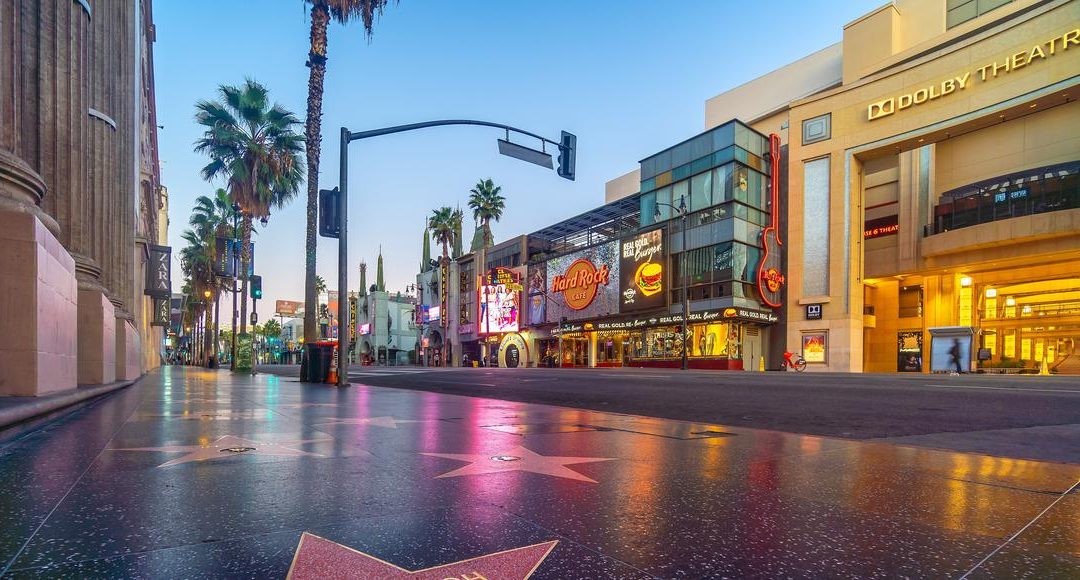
x=770, y=278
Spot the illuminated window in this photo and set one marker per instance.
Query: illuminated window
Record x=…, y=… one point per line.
x=1010, y=344
x=965, y=306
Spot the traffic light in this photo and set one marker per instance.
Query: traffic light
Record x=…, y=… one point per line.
x=256, y=287
x=329, y=221
x=567, y=155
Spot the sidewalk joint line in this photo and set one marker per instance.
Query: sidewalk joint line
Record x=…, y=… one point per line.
x=1021, y=530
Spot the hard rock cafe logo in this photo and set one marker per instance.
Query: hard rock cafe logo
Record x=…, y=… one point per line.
x=772, y=279
x=581, y=283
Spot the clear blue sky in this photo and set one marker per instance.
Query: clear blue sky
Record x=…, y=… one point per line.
x=628, y=77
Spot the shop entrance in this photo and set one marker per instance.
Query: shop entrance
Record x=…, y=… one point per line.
x=1024, y=325
x=575, y=350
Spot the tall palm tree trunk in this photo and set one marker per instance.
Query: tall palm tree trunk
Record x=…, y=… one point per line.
x=206, y=334
x=320, y=17
x=217, y=325
x=245, y=267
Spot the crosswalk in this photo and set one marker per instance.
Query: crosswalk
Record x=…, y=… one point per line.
x=386, y=371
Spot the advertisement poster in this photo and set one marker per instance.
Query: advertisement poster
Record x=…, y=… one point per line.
x=584, y=284
x=536, y=309
x=950, y=351
x=641, y=271
x=815, y=346
x=500, y=302
x=909, y=352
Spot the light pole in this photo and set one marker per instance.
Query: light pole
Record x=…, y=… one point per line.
x=686, y=280
x=567, y=146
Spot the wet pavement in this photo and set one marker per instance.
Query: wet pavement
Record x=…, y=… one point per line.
x=193, y=473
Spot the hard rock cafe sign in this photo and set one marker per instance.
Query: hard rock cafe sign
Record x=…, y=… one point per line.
x=770, y=280
x=580, y=283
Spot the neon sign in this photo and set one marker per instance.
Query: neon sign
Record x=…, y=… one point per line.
x=580, y=283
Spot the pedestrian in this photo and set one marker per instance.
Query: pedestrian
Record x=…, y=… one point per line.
x=954, y=355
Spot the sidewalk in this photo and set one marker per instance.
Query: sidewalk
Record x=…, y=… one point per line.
x=195, y=473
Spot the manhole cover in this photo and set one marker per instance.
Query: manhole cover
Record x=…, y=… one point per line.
x=237, y=449
x=505, y=458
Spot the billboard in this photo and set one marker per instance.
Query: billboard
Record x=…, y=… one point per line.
x=642, y=263
x=287, y=307
x=499, y=299
x=583, y=284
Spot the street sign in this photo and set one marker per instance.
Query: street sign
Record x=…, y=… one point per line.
x=813, y=312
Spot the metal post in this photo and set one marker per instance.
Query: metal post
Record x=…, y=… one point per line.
x=343, y=262
x=686, y=299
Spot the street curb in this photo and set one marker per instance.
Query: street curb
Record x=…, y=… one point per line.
x=38, y=407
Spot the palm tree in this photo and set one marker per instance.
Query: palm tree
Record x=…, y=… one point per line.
x=197, y=262
x=487, y=204
x=212, y=219
x=343, y=11
x=254, y=147
x=441, y=224
x=320, y=286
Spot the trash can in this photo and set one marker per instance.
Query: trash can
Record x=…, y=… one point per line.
x=316, y=364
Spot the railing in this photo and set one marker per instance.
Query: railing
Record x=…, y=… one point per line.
x=993, y=205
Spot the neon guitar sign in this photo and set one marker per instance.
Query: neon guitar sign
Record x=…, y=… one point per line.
x=770, y=279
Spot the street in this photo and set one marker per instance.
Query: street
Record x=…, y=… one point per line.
x=195, y=473
x=1006, y=415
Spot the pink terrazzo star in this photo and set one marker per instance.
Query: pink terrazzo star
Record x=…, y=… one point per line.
x=228, y=446
x=320, y=558
x=518, y=459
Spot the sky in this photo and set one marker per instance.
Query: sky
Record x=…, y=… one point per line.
x=628, y=77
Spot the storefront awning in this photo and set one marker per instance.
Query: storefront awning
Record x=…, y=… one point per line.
x=663, y=319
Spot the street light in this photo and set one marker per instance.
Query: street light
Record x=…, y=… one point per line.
x=567, y=147
x=686, y=278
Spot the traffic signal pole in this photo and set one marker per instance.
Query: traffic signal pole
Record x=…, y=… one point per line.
x=343, y=261
x=567, y=147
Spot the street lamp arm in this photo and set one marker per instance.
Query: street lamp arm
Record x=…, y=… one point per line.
x=414, y=126
x=681, y=209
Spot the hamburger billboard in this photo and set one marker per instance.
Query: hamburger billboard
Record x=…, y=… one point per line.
x=642, y=280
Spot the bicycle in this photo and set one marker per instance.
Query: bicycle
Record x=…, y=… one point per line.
x=794, y=361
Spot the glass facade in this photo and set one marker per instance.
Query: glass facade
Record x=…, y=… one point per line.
x=718, y=175
x=1041, y=190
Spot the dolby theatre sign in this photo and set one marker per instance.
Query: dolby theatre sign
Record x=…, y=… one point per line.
x=985, y=73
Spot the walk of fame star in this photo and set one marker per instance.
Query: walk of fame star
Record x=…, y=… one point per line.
x=228, y=446
x=518, y=459
x=388, y=422
x=320, y=558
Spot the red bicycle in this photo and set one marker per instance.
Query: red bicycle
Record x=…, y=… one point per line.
x=794, y=360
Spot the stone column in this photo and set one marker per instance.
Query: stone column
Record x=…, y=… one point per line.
x=43, y=58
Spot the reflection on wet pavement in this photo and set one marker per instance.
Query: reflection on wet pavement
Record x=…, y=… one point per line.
x=199, y=473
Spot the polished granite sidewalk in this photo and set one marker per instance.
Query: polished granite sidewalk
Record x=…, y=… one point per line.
x=195, y=473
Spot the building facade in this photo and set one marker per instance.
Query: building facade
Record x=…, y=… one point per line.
x=930, y=208
x=934, y=192
x=82, y=210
